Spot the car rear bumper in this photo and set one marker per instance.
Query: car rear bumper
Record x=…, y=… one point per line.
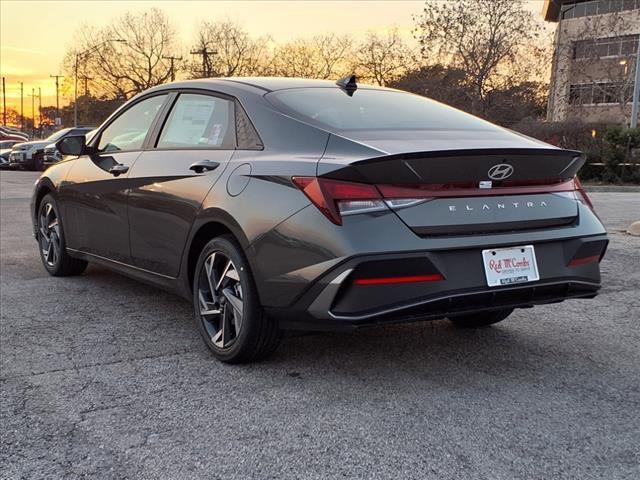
x=335, y=301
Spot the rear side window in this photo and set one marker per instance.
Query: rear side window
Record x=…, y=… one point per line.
x=371, y=109
x=127, y=132
x=199, y=121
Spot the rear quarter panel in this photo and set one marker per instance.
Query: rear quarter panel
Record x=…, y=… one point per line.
x=255, y=193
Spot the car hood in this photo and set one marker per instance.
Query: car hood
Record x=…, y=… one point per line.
x=30, y=145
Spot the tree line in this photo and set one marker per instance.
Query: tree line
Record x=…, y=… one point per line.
x=488, y=57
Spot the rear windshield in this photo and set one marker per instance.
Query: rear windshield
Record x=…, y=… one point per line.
x=369, y=109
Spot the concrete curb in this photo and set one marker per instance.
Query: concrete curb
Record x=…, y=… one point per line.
x=634, y=229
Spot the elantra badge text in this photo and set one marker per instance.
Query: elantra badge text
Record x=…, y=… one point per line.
x=499, y=206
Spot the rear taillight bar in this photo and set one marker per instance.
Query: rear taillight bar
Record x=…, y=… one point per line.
x=336, y=198
x=457, y=190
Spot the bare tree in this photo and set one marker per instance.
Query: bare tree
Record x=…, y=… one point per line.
x=133, y=63
x=323, y=56
x=487, y=39
x=227, y=50
x=383, y=58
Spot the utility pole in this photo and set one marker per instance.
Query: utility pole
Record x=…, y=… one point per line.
x=206, y=68
x=4, y=103
x=172, y=66
x=86, y=84
x=636, y=90
x=33, y=112
x=39, y=107
x=21, y=106
x=57, y=77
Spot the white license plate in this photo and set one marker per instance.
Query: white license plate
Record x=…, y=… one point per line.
x=509, y=266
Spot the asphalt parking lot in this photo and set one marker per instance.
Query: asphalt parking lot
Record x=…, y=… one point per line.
x=102, y=377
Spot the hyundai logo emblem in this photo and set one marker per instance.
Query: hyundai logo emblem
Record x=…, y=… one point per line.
x=500, y=171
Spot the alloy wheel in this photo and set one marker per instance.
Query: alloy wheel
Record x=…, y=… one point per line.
x=220, y=299
x=49, y=237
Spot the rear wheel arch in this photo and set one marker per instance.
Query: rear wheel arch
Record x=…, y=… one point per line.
x=211, y=228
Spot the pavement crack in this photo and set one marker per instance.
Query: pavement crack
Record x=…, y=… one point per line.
x=99, y=364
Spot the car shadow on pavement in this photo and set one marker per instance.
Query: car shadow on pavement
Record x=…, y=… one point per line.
x=523, y=346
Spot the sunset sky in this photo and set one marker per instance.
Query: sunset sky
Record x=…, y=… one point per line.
x=34, y=35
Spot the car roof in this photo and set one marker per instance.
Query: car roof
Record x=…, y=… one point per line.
x=281, y=83
x=254, y=84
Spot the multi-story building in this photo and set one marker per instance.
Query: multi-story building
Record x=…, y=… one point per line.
x=596, y=44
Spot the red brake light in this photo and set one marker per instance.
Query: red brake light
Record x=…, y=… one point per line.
x=325, y=194
x=434, y=277
x=576, y=262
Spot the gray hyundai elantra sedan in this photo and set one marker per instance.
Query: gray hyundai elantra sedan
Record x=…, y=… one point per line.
x=277, y=204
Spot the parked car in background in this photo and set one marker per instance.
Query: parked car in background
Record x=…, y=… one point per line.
x=8, y=133
x=5, y=150
x=30, y=155
x=52, y=155
x=7, y=144
x=289, y=203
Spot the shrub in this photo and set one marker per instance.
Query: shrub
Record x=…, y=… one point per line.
x=611, y=145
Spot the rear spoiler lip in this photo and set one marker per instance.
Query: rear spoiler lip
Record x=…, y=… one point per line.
x=469, y=153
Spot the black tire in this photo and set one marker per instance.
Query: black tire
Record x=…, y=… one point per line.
x=38, y=162
x=51, y=237
x=258, y=335
x=480, y=319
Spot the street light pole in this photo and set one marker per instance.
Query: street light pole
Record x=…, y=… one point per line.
x=33, y=111
x=21, y=106
x=4, y=103
x=75, y=92
x=636, y=89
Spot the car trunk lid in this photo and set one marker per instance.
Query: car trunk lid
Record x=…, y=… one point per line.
x=467, y=191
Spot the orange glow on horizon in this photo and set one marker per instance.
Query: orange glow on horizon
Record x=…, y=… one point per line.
x=35, y=35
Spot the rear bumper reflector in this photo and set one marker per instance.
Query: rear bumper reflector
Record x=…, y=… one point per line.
x=435, y=277
x=576, y=262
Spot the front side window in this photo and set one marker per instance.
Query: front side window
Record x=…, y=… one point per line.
x=127, y=132
x=199, y=121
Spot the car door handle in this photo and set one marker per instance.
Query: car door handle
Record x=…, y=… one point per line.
x=204, y=165
x=118, y=169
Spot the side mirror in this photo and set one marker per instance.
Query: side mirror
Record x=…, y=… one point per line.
x=72, y=145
